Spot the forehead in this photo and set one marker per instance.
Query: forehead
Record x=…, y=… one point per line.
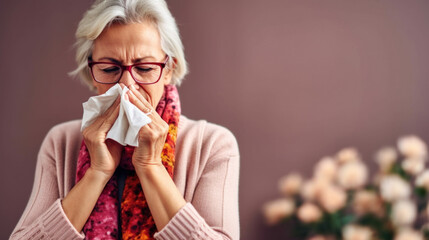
x=128, y=41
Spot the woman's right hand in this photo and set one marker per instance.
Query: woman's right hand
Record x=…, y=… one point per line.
x=105, y=153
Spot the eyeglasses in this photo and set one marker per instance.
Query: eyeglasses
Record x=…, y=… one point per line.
x=143, y=73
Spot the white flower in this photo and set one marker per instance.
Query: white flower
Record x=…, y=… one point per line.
x=352, y=175
x=309, y=212
x=290, y=184
x=385, y=158
x=326, y=168
x=393, y=188
x=355, y=232
x=308, y=190
x=366, y=201
x=422, y=180
x=404, y=213
x=332, y=198
x=408, y=234
x=276, y=210
x=412, y=146
x=348, y=155
x=311, y=189
x=321, y=184
x=413, y=166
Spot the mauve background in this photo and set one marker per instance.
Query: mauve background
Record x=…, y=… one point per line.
x=293, y=80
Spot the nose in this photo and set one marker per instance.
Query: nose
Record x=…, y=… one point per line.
x=127, y=79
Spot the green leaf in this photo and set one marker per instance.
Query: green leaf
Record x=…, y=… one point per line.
x=382, y=227
x=426, y=234
x=397, y=169
x=420, y=192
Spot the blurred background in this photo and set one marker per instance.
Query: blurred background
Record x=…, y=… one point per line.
x=293, y=80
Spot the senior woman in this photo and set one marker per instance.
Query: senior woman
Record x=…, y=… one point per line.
x=180, y=182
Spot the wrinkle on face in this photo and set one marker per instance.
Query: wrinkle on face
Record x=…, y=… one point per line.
x=127, y=44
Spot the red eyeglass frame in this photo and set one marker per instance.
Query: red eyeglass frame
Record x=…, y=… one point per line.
x=128, y=68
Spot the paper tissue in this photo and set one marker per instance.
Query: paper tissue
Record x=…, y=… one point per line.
x=130, y=119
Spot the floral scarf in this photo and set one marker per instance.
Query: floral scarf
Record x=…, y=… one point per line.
x=135, y=217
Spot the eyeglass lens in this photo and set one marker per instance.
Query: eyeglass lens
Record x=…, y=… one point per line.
x=110, y=73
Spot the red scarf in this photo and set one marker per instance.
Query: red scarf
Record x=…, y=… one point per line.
x=136, y=220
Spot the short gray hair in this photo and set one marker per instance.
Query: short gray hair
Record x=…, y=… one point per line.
x=105, y=12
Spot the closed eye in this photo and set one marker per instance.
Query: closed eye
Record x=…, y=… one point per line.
x=112, y=69
x=143, y=69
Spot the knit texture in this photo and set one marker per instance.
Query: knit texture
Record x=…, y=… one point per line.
x=206, y=173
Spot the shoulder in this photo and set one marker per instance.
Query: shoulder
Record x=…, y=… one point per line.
x=69, y=129
x=209, y=137
x=66, y=127
x=63, y=134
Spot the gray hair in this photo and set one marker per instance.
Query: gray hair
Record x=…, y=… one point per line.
x=105, y=12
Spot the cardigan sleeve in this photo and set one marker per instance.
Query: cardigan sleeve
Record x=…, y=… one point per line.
x=44, y=217
x=213, y=211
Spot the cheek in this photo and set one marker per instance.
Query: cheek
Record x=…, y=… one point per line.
x=102, y=88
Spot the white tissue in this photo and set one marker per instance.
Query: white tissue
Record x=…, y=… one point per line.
x=126, y=127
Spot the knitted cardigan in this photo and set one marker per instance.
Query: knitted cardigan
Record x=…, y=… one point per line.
x=206, y=173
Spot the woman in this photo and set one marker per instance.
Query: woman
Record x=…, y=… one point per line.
x=180, y=182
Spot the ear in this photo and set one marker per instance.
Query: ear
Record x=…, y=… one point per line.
x=168, y=72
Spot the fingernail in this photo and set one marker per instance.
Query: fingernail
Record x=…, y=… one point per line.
x=132, y=87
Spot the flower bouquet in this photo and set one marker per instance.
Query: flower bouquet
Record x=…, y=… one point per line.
x=339, y=201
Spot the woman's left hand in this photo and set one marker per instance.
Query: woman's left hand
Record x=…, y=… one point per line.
x=162, y=196
x=151, y=136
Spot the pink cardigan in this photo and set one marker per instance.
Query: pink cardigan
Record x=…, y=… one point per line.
x=206, y=173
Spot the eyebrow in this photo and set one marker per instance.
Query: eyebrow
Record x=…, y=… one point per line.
x=134, y=61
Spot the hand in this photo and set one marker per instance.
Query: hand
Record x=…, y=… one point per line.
x=151, y=136
x=105, y=153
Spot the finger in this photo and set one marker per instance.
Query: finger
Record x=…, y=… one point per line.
x=110, y=116
x=113, y=107
x=144, y=105
x=140, y=97
x=101, y=118
x=136, y=98
x=113, y=114
x=156, y=127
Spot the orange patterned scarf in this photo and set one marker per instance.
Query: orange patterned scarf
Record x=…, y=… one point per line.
x=135, y=217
